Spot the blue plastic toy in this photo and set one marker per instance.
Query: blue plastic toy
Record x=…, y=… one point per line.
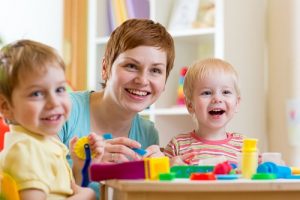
x=108, y=136
x=270, y=167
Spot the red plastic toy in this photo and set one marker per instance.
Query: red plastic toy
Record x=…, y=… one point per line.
x=203, y=176
x=3, y=129
x=223, y=168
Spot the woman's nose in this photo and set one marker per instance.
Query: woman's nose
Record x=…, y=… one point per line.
x=141, y=79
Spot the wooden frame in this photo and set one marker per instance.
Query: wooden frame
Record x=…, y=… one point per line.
x=185, y=189
x=75, y=42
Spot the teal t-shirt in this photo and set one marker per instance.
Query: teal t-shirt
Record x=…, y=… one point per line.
x=78, y=124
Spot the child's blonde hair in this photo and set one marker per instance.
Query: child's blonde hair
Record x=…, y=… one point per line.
x=203, y=68
x=24, y=56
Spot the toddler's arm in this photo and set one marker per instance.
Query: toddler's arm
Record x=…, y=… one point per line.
x=81, y=193
x=32, y=194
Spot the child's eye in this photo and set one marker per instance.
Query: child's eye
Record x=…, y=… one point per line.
x=227, y=92
x=61, y=89
x=205, y=93
x=36, y=94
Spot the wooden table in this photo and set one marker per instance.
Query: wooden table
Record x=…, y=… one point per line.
x=180, y=189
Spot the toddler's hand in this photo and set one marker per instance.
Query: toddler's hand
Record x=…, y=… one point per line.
x=77, y=162
x=182, y=160
x=97, y=146
x=153, y=151
x=80, y=193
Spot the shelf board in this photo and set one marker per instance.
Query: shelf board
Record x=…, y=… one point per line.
x=176, y=34
x=178, y=110
x=102, y=40
x=192, y=32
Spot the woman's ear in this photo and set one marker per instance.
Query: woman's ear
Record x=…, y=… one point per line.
x=5, y=108
x=104, y=73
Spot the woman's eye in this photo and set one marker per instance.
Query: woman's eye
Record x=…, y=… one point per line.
x=131, y=67
x=156, y=70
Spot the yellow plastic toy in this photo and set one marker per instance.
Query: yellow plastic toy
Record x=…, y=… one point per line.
x=79, y=148
x=249, y=157
x=8, y=187
x=295, y=170
x=156, y=166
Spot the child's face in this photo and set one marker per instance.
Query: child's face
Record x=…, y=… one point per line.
x=214, y=102
x=40, y=102
x=137, y=78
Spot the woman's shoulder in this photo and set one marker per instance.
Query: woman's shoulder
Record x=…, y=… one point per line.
x=80, y=103
x=144, y=131
x=80, y=96
x=142, y=122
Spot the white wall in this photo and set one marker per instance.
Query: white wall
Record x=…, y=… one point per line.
x=284, y=71
x=244, y=48
x=40, y=20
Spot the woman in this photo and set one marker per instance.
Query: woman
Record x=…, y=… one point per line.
x=138, y=59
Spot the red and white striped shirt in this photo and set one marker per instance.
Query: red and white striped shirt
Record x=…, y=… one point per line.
x=204, y=149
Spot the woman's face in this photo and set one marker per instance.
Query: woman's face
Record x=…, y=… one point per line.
x=137, y=78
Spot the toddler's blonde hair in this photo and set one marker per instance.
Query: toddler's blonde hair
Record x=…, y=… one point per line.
x=203, y=68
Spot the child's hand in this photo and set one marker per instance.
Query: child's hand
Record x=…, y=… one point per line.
x=97, y=147
x=182, y=160
x=77, y=162
x=153, y=151
x=81, y=193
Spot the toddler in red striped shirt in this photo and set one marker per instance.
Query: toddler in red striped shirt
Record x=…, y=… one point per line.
x=212, y=98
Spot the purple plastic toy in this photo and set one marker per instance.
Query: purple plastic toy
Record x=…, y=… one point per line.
x=126, y=170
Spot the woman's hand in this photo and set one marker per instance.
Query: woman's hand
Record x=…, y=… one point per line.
x=119, y=150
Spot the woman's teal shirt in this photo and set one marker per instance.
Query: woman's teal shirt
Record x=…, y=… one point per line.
x=78, y=124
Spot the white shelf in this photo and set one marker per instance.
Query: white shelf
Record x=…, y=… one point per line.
x=177, y=110
x=190, y=45
x=192, y=34
x=238, y=36
x=101, y=40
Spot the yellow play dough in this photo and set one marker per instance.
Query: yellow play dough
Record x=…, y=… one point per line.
x=79, y=148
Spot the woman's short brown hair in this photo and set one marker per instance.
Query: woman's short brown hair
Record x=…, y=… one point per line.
x=137, y=32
